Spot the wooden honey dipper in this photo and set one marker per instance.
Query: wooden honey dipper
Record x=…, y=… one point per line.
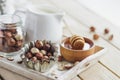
x=77, y=42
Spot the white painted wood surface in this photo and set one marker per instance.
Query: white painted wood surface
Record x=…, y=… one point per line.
x=102, y=73
x=9, y=75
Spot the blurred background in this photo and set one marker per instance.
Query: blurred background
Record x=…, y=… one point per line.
x=108, y=9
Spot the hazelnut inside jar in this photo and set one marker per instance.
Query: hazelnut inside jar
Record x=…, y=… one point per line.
x=11, y=34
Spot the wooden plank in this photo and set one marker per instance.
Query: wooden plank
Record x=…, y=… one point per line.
x=88, y=18
x=97, y=72
x=8, y=75
x=111, y=61
x=76, y=78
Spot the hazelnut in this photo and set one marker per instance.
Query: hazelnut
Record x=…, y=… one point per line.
x=92, y=29
x=22, y=56
x=29, y=55
x=8, y=34
x=49, y=54
x=39, y=55
x=38, y=44
x=46, y=47
x=19, y=43
x=34, y=50
x=106, y=31
x=10, y=58
x=60, y=58
x=20, y=62
x=18, y=37
x=43, y=52
x=52, y=49
x=61, y=67
x=95, y=36
x=34, y=59
x=1, y=33
x=77, y=62
x=68, y=66
x=45, y=57
x=111, y=37
x=11, y=42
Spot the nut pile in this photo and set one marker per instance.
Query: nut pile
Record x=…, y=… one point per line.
x=40, y=55
x=10, y=39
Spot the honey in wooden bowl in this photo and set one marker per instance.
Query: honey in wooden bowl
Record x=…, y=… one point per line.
x=72, y=55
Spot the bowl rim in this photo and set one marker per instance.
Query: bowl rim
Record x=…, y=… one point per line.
x=62, y=43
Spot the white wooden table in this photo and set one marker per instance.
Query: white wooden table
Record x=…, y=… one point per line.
x=79, y=19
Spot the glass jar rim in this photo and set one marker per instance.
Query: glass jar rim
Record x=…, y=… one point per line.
x=13, y=20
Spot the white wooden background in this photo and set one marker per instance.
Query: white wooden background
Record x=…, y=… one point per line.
x=79, y=19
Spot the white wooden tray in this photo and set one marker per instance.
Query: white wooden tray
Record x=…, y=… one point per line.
x=53, y=73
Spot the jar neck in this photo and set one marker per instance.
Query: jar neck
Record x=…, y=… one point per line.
x=11, y=25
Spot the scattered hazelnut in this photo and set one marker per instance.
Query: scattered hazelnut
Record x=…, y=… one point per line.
x=106, y=31
x=1, y=57
x=29, y=55
x=92, y=29
x=20, y=62
x=10, y=58
x=111, y=37
x=60, y=58
x=34, y=50
x=77, y=62
x=38, y=44
x=95, y=36
x=68, y=66
x=61, y=67
x=39, y=55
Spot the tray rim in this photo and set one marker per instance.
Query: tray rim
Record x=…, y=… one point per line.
x=79, y=68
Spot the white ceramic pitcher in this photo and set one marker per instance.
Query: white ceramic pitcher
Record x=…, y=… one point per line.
x=43, y=22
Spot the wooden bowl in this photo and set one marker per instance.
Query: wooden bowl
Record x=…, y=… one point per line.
x=72, y=55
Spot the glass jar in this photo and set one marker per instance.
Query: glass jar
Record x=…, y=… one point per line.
x=11, y=34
